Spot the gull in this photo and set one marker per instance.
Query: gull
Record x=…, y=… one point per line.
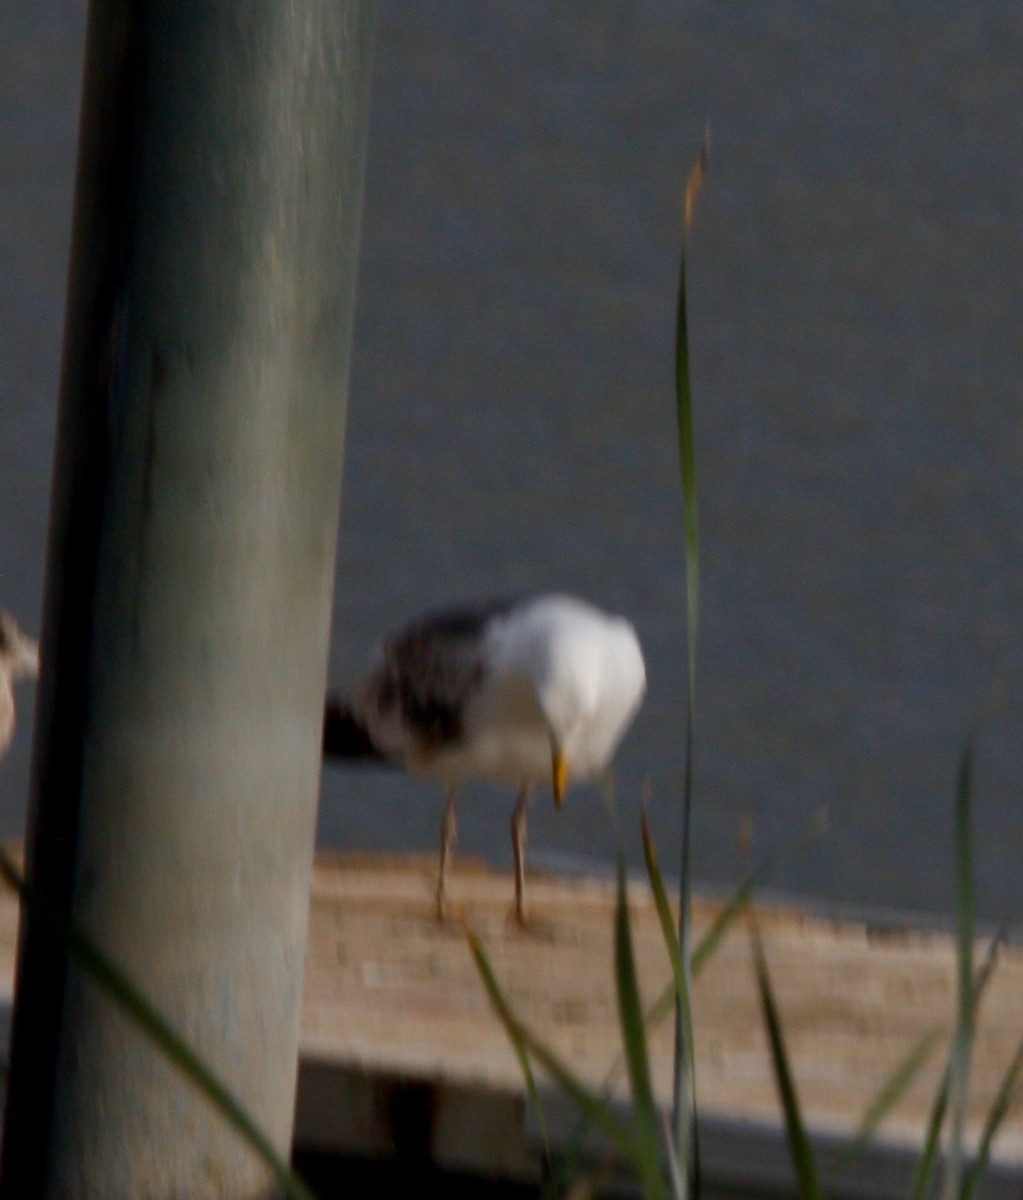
x=19, y=659
x=514, y=692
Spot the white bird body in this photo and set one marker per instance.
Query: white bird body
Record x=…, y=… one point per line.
x=515, y=693
x=559, y=676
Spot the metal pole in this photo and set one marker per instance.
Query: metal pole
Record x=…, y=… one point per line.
x=189, y=585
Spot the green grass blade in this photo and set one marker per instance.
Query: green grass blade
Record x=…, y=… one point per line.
x=684, y=1087
x=726, y=917
x=895, y=1088
x=959, y=1066
x=684, y=411
x=533, y=1092
x=741, y=898
x=86, y=955
x=999, y=1110
x=971, y=989
x=665, y=916
x=630, y=1012
x=807, y=1179
x=683, y=1150
x=594, y=1109
x=677, y=1174
x=924, y=1170
x=664, y=1005
x=987, y=967
x=889, y=1095
x=736, y=904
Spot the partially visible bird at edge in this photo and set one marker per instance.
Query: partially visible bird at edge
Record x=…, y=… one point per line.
x=515, y=692
x=19, y=659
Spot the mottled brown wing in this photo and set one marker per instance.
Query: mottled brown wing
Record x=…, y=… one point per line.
x=345, y=736
x=415, y=700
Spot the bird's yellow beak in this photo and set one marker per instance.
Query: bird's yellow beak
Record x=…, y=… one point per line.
x=560, y=776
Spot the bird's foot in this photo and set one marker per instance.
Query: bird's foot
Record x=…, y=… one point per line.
x=521, y=922
x=445, y=917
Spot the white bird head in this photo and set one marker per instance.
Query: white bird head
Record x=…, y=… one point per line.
x=590, y=680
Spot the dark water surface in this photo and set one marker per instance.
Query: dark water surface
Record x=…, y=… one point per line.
x=855, y=288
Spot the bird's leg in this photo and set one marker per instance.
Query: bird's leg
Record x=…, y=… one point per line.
x=518, y=829
x=448, y=839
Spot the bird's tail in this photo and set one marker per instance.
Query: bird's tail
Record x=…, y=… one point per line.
x=345, y=736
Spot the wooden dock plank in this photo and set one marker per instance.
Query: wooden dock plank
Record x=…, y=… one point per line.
x=400, y=1048
x=388, y=988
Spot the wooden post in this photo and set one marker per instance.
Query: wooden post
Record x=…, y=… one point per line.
x=189, y=584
